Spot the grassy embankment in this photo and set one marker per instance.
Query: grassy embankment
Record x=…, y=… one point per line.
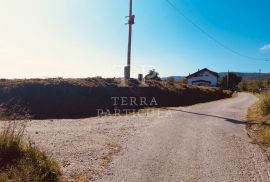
x=259, y=122
x=22, y=161
x=80, y=98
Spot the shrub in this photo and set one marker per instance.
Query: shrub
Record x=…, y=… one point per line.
x=243, y=86
x=265, y=136
x=152, y=75
x=264, y=104
x=21, y=161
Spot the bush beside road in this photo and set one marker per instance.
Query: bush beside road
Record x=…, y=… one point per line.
x=259, y=122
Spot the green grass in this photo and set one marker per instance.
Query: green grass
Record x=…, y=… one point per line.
x=22, y=161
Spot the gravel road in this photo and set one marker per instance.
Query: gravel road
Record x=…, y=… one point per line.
x=205, y=142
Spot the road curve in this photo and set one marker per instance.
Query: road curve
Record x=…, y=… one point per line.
x=204, y=142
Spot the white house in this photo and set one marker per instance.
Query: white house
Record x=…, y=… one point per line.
x=203, y=77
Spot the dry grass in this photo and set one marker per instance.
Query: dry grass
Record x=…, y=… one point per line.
x=89, y=82
x=80, y=98
x=77, y=177
x=259, y=113
x=265, y=137
x=259, y=122
x=264, y=103
x=22, y=161
x=108, y=157
x=235, y=94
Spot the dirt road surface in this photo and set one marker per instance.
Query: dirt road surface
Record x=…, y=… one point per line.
x=205, y=142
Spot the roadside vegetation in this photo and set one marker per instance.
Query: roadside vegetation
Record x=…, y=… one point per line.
x=255, y=86
x=259, y=121
x=23, y=161
x=230, y=81
x=259, y=114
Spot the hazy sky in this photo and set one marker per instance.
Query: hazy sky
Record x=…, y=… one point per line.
x=84, y=38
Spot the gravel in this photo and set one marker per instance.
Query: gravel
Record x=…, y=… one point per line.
x=204, y=142
x=85, y=147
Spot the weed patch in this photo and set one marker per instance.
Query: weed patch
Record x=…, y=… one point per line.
x=22, y=161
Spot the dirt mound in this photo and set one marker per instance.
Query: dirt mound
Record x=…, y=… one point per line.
x=80, y=98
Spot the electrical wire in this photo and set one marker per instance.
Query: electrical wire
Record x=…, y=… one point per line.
x=209, y=35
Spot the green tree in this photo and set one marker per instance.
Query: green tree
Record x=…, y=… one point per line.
x=232, y=82
x=152, y=75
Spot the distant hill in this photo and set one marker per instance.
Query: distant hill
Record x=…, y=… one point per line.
x=245, y=76
x=249, y=76
x=176, y=78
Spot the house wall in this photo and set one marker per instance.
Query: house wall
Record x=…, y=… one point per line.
x=207, y=76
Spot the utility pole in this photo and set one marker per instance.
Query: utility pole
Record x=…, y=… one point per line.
x=131, y=22
x=228, y=79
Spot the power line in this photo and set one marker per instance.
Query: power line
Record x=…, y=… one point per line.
x=209, y=35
